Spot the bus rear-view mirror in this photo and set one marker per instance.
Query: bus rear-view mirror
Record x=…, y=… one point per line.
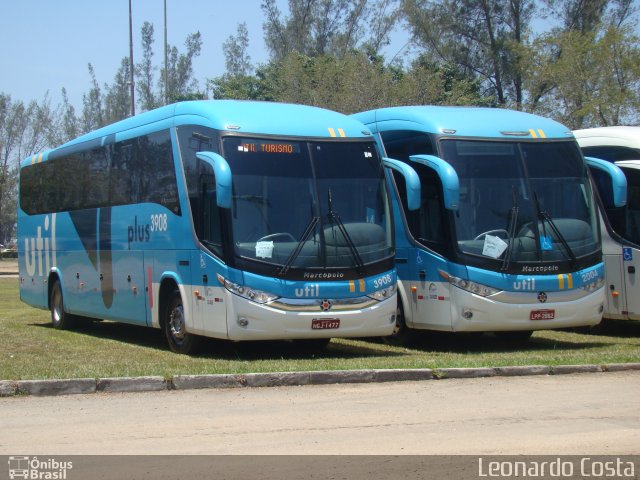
x=222, y=172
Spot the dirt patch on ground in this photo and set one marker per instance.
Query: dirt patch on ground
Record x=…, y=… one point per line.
x=8, y=265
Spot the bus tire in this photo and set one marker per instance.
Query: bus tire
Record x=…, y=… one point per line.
x=179, y=340
x=401, y=333
x=60, y=319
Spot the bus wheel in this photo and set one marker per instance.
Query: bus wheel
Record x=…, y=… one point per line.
x=179, y=340
x=60, y=319
x=401, y=332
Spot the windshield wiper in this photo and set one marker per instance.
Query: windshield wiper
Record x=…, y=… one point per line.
x=511, y=230
x=303, y=239
x=543, y=215
x=333, y=215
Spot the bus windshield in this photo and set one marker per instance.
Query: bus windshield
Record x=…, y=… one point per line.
x=522, y=201
x=296, y=205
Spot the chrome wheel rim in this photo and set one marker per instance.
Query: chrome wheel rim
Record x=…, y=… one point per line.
x=56, y=306
x=176, y=323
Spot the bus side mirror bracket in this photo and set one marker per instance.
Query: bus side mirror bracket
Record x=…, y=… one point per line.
x=616, y=176
x=222, y=172
x=448, y=177
x=411, y=179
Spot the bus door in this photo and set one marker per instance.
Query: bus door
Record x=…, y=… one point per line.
x=208, y=296
x=430, y=294
x=631, y=275
x=421, y=196
x=615, y=291
x=619, y=202
x=214, y=188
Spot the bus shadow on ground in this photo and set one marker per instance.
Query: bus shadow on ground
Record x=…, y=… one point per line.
x=445, y=342
x=229, y=350
x=614, y=328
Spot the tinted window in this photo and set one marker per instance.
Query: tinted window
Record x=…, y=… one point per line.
x=612, y=153
x=141, y=170
x=201, y=185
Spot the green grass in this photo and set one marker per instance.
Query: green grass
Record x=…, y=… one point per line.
x=31, y=349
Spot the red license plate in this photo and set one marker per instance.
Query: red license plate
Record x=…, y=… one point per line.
x=542, y=315
x=325, y=323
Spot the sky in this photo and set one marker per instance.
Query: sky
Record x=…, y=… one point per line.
x=47, y=44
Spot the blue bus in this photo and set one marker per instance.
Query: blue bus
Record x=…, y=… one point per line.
x=504, y=237
x=227, y=219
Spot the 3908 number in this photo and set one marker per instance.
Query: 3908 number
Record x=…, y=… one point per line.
x=159, y=222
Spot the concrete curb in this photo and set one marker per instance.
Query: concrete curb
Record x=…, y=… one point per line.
x=131, y=384
x=56, y=387
x=9, y=388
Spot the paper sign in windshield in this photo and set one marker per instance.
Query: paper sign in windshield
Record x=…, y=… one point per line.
x=493, y=246
x=264, y=249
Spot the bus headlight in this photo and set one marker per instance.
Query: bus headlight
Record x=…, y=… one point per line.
x=473, y=287
x=385, y=293
x=243, y=291
x=593, y=286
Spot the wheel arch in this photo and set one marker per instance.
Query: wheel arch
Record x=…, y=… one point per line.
x=403, y=299
x=168, y=285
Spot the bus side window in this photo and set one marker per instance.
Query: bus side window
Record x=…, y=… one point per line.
x=157, y=170
x=400, y=145
x=632, y=218
x=123, y=175
x=427, y=223
x=201, y=185
x=142, y=170
x=612, y=153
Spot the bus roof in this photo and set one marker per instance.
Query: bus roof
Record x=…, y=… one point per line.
x=622, y=136
x=245, y=117
x=464, y=122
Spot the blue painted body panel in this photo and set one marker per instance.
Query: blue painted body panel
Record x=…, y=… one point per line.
x=462, y=122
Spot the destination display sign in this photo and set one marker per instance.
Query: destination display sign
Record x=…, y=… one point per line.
x=256, y=146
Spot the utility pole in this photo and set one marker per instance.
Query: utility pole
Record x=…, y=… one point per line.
x=166, y=68
x=131, y=86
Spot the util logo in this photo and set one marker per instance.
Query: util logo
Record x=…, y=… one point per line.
x=40, y=251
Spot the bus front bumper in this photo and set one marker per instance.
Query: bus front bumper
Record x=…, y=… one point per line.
x=252, y=321
x=473, y=313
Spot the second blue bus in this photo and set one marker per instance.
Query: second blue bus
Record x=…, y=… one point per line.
x=502, y=235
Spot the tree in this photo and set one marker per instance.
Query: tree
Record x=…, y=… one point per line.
x=585, y=72
x=327, y=27
x=589, y=80
x=24, y=131
x=117, y=100
x=92, y=110
x=353, y=83
x=181, y=83
x=144, y=70
x=483, y=39
x=67, y=127
x=236, y=57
